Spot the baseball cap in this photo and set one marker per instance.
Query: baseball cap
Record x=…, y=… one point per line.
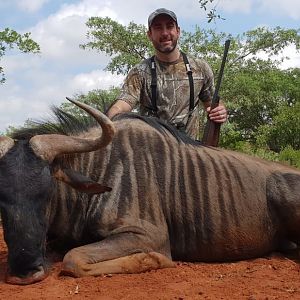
x=161, y=11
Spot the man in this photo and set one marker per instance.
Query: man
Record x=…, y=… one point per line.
x=170, y=85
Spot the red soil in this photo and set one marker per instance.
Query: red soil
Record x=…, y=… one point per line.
x=274, y=277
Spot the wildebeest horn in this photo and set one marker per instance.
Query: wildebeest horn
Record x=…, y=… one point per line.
x=5, y=144
x=49, y=146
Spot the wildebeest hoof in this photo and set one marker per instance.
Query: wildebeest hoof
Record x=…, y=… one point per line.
x=31, y=278
x=69, y=269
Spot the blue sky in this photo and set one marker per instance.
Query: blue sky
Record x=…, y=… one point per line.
x=35, y=82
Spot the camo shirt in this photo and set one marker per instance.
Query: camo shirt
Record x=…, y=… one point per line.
x=173, y=90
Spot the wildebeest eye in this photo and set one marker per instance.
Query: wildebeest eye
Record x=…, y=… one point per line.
x=43, y=180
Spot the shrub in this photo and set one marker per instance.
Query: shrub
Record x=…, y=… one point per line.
x=290, y=155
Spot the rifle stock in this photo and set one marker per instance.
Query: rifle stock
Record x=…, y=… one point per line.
x=212, y=129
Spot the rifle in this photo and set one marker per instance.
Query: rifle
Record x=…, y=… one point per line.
x=212, y=129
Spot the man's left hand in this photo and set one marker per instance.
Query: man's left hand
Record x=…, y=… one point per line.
x=218, y=114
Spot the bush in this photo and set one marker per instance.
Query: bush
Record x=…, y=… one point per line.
x=290, y=155
x=250, y=149
x=283, y=131
x=229, y=136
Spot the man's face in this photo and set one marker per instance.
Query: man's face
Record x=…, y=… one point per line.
x=164, y=34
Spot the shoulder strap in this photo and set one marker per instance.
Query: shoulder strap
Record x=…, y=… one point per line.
x=191, y=81
x=153, y=84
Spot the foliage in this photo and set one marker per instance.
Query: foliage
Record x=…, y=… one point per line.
x=100, y=99
x=126, y=45
x=291, y=156
x=284, y=130
x=9, y=39
x=257, y=96
x=248, y=148
x=230, y=136
x=9, y=131
x=255, y=90
x=287, y=156
x=212, y=14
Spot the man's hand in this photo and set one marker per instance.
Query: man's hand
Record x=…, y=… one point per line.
x=218, y=114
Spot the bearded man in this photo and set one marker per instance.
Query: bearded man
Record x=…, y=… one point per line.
x=170, y=85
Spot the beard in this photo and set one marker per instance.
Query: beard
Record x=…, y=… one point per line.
x=159, y=46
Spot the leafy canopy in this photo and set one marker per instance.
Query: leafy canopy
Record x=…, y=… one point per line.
x=9, y=39
x=126, y=45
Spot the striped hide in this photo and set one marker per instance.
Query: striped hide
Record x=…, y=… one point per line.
x=149, y=197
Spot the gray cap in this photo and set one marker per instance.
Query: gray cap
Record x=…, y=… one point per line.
x=161, y=11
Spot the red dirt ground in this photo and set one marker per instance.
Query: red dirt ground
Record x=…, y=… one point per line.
x=274, y=277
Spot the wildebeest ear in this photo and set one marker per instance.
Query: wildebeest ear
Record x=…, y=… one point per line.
x=79, y=181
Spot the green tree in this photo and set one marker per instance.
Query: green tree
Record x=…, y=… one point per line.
x=9, y=39
x=126, y=45
x=290, y=156
x=100, y=99
x=257, y=94
x=283, y=131
x=253, y=89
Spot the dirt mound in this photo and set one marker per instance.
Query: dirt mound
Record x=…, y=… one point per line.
x=274, y=277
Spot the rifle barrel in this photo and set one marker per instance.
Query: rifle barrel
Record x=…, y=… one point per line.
x=212, y=129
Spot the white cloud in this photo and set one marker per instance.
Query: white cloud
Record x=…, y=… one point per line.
x=60, y=34
x=15, y=111
x=96, y=80
x=34, y=82
x=19, y=104
x=31, y=5
x=294, y=58
x=233, y=6
x=289, y=55
x=290, y=8
x=87, y=8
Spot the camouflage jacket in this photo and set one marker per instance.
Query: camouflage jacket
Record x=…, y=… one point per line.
x=173, y=90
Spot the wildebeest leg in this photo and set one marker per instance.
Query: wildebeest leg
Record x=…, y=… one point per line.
x=121, y=253
x=135, y=263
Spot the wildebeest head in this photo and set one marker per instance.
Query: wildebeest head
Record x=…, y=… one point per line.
x=26, y=178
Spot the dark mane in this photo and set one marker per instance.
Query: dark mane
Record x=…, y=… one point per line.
x=161, y=126
x=62, y=123
x=66, y=124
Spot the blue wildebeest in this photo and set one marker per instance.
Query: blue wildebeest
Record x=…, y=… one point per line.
x=135, y=195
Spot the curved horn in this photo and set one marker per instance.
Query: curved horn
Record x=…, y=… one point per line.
x=5, y=144
x=48, y=146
